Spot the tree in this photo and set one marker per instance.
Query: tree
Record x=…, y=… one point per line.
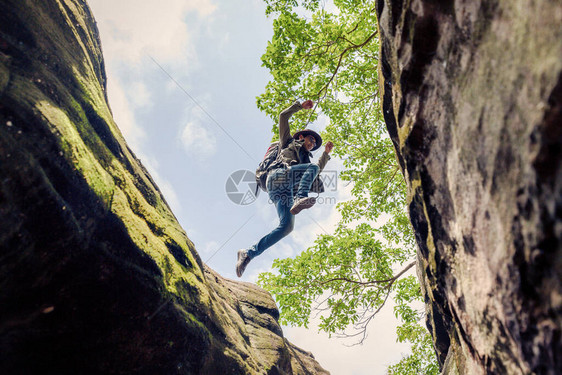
x=331, y=57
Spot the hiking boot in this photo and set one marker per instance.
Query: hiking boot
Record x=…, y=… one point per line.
x=243, y=260
x=302, y=203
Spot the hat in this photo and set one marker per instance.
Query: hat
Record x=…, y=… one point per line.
x=308, y=132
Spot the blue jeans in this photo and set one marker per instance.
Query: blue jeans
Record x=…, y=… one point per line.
x=280, y=184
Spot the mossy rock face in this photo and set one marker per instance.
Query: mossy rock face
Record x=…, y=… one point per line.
x=96, y=274
x=472, y=98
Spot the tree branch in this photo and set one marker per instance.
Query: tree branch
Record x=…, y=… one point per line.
x=390, y=281
x=341, y=56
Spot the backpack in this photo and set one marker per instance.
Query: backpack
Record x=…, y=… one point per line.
x=263, y=168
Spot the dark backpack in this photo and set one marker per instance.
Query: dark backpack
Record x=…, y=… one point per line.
x=264, y=167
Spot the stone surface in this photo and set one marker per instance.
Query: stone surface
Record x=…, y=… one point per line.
x=472, y=97
x=96, y=275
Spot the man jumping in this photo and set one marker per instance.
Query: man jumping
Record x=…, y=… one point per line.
x=292, y=170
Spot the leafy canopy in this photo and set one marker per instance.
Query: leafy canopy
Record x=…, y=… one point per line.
x=328, y=52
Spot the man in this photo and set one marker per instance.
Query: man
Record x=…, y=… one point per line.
x=292, y=170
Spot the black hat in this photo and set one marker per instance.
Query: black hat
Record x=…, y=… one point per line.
x=308, y=132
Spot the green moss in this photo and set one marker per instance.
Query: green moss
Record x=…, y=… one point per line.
x=193, y=322
x=113, y=184
x=115, y=187
x=4, y=77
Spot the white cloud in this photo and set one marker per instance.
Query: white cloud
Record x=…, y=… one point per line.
x=198, y=141
x=285, y=250
x=251, y=275
x=131, y=29
x=224, y=43
x=171, y=87
x=139, y=94
x=209, y=248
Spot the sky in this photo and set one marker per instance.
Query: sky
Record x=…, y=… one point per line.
x=183, y=76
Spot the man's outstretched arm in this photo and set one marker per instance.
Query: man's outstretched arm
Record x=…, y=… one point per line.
x=284, y=128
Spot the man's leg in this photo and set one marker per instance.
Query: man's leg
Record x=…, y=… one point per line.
x=281, y=194
x=307, y=173
x=286, y=224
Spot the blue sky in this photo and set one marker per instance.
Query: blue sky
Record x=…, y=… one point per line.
x=182, y=80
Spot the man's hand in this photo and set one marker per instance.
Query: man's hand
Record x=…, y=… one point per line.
x=329, y=146
x=307, y=104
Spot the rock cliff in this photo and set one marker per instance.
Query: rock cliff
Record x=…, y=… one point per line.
x=96, y=275
x=472, y=97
